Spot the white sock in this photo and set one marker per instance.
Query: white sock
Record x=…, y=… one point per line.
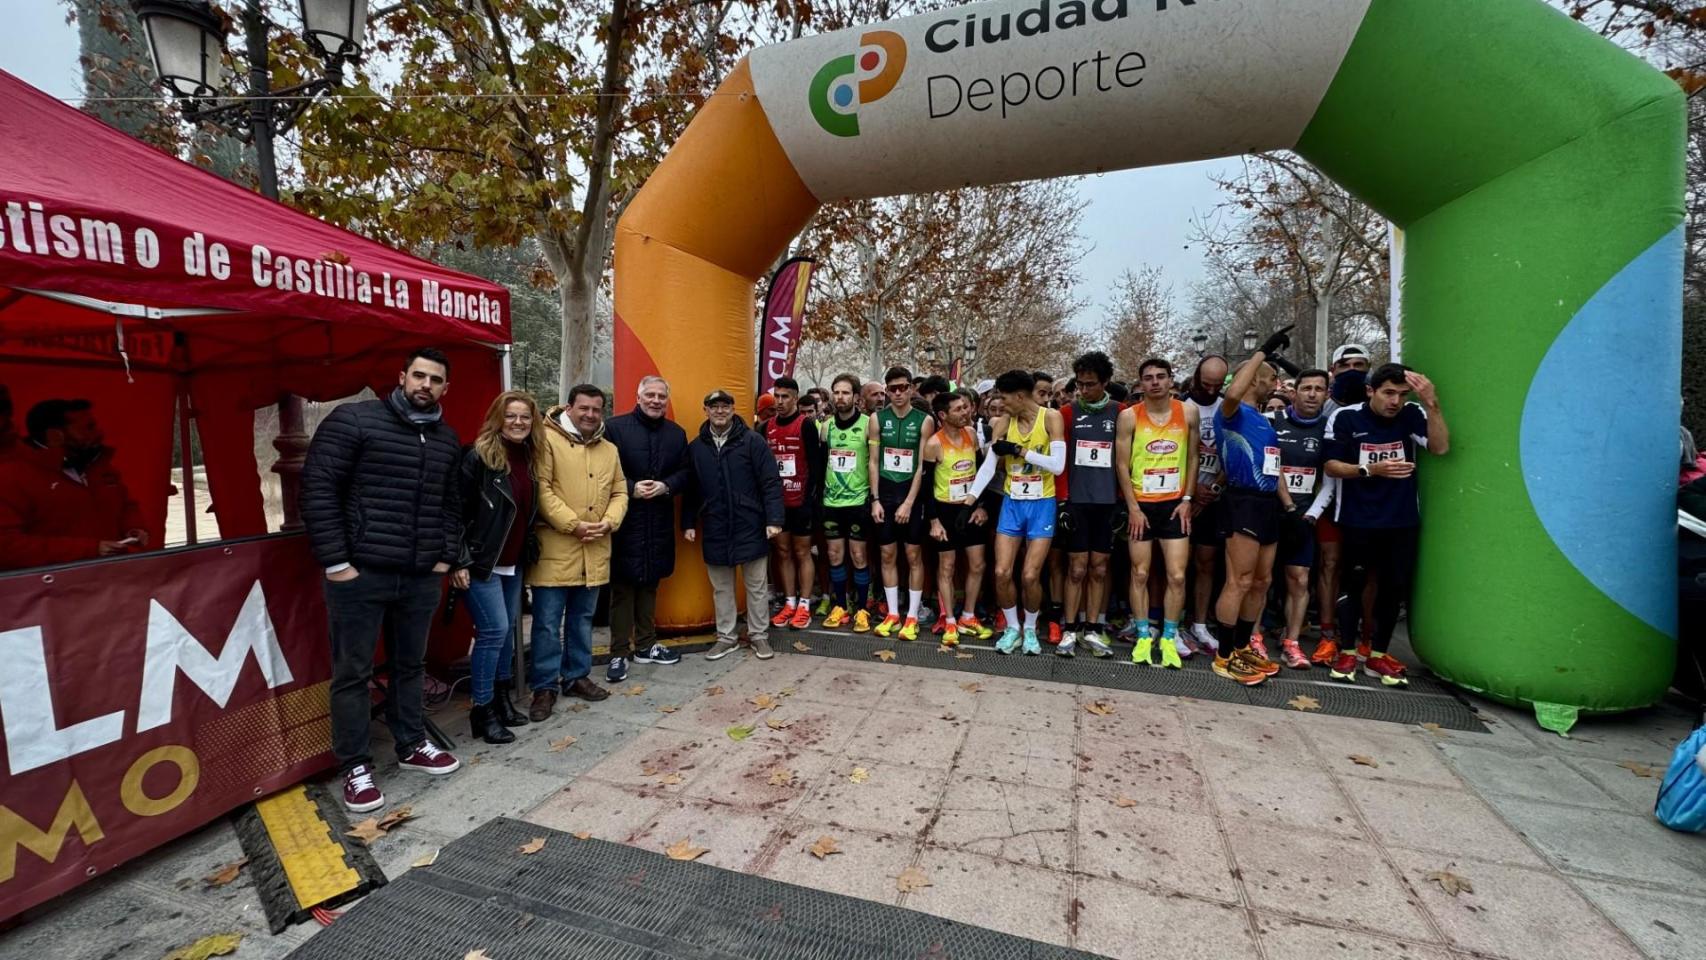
x=1031, y=620
x=970, y=614
x=893, y=595
x=1012, y=615
x=913, y=599
x=800, y=602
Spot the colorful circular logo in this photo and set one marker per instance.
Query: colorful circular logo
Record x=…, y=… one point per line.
x=844, y=84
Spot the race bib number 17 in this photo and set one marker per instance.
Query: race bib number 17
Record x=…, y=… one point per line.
x=844, y=461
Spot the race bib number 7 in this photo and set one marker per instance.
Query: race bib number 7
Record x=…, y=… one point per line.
x=1373, y=453
x=1161, y=480
x=844, y=461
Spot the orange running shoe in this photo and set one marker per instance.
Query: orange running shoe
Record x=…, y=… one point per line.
x=783, y=616
x=1054, y=633
x=802, y=618
x=909, y=629
x=837, y=619
x=970, y=624
x=1256, y=661
x=1239, y=670
x=1325, y=652
x=887, y=626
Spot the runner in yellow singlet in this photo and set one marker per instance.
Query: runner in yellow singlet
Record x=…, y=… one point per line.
x=958, y=522
x=1157, y=442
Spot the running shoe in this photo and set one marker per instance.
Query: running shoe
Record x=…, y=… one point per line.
x=909, y=629
x=1365, y=649
x=1258, y=645
x=657, y=654
x=951, y=635
x=1000, y=620
x=837, y=619
x=1097, y=641
x=823, y=606
x=1259, y=662
x=802, y=618
x=1205, y=640
x=1009, y=640
x=970, y=624
x=1326, y=652
x=1238, y=670
x=887, y=626
x=1068, y=644
x=1032, y=646
x=941, y=625
x=1183, y=646
x=1344, y=667
x=1144, y=652
x=1054, y=634
x=861, y=622
x=617, y=670
x=1388, y=669
x=1292, y=655
x=1170, y=657
x=1128, y=631
x=783, y=616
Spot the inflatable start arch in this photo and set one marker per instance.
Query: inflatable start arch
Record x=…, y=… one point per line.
x=1536, y=168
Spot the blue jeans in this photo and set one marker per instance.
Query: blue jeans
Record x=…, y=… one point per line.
x=556, y=609
x=495, y=605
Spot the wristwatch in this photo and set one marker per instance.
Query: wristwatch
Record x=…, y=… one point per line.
x=1363, y=472
x=1186, y=498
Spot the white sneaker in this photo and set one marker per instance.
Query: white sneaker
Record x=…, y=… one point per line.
x=1068, y=642
x=1180, y=645
x=1205, y=639
x=1097, y=641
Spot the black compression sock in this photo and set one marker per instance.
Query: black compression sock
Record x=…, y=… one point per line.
x=1242, y=632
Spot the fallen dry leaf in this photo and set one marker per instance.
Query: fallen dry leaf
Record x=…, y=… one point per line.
x=396, y=816
x=944, y=648
x=739, y=733
x=225, y=874
x=713, y=691
x=647, y=770
x=1434, y=729
x=859, y=775
x=965, y=656
x=1641, y=769
x=823, y=847
x=1100, y=708
x=426, y=859
x=911, y=879
x=557, y=746
x=668, y=708
x=776, y=724
x=477, y=955
x=801, y=647
x=634, y=691
x=781, y=777
x=1303, y=702
x=366, y=831
x=949, y=716
x=475, y=760
x=215, y=945
x=764, y=701
x=884, y=655
x=583, y=835
x=532, y=847
x=1363, y=761
x=972, y=687
x=684, y=849
x=1451, y=883
x=1124, y=802
x=671, y=779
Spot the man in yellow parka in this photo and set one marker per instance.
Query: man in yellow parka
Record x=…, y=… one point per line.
x=582, y=500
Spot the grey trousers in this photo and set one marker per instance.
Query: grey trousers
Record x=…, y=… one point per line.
x=756, y=575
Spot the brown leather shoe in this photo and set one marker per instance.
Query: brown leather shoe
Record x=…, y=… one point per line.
x=543, y=701
x=587, y=690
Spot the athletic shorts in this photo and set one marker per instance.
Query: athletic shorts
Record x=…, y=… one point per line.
x=1158, y=521
x=1026, y=519
x=1297, y=542
x=962, y=533
x=1205, y=526
x=1086, y=528
x=797, y=521
x=1251, y=513
x=890, y=531
x=1327, y=531
x=850, y=523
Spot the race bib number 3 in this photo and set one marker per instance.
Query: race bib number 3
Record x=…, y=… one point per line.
x=1165, y=480
x=1373, y=453
x=844, y=461
x=1094, y=453
x=898, y=459
x=1026, y=486
x=1271, y=461
x=786, y=467
x=1299, y=479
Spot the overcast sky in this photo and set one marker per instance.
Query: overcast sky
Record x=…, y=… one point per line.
x=1134, y=217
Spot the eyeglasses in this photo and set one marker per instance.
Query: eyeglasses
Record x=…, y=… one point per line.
x=899, y=387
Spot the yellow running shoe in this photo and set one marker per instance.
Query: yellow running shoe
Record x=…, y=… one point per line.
x=951, y=636
x=1144, y=652
x=887, y=626
x=837, y=618
x=862, y=622
x=975, y=627
x=909, y=629
x=1170, y=654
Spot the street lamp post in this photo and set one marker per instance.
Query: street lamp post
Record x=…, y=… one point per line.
x=1249, y=341
x=186, y=39
x=1199, y=340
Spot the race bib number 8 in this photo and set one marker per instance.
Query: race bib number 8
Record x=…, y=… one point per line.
x=785, y=466
x=1094, y=453
x=1161, y=480
x=1299, y=479
x=1271, y=461
x=844, y=461
x=898, y=459
x=1026, y=486
x=1373, y=453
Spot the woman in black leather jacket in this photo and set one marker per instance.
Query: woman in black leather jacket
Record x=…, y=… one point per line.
x=499, y=508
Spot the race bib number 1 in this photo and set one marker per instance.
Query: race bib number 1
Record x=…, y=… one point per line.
x=844, y=461
x=1026, y=486
x=1161, y=480
x=1373, y=453
x=1094, y=453
x=898, y=459
x=1271, y=461
x=958, y=492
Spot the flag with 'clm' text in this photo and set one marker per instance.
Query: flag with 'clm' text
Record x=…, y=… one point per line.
x=784, y=312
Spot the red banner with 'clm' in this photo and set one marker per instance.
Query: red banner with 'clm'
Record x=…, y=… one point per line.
x=143, y=697
x=784, y=312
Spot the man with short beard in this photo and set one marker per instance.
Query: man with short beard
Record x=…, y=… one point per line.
x=1206, y=541
x=61, y=499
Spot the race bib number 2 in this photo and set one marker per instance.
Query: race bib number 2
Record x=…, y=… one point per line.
x=1027, y=486
x=1094, y=453
x=844, y=461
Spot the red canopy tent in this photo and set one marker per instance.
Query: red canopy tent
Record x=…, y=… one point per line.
x=132, y=279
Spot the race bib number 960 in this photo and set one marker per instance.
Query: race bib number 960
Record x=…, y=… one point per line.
x=1373, y=453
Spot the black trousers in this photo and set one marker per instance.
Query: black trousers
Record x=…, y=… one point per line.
x=633, y=624
x=1390, y=556
x=402, y=605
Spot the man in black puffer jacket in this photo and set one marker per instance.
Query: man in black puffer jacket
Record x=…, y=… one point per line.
x=380, y=501
x=653, y=449
x=734, y=509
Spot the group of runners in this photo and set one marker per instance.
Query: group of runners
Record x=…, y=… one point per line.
x=1308, y=479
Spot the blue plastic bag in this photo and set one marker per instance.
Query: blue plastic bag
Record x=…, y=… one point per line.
x=1682, y=796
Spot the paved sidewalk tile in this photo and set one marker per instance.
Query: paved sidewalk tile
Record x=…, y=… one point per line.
x=1400, y=755
x=1150, y=773
x=1043, y=708
x=765, y=779
x=846, y=683
x=1153, y=845
x=909, y=738
x=1024, y=901
x=893, y=799
x=1019, y=756
x=607, y=812
x=662, y=761
x=1276, y=795
x=733, y=838
x=1429, y=818
x=866, y=867
x=929, y=694
x=1286, y=938
x=1340, y=881
x=1515, y=913
x=1128, y=923
x=1644, y=850
x=1007, y=821
x=1666, y=926
x=1530, y=774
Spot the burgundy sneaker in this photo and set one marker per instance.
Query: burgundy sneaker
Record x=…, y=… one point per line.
x=360, y=794
x=428, y=758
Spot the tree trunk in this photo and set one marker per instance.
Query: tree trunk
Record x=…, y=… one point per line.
x=580, y=300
